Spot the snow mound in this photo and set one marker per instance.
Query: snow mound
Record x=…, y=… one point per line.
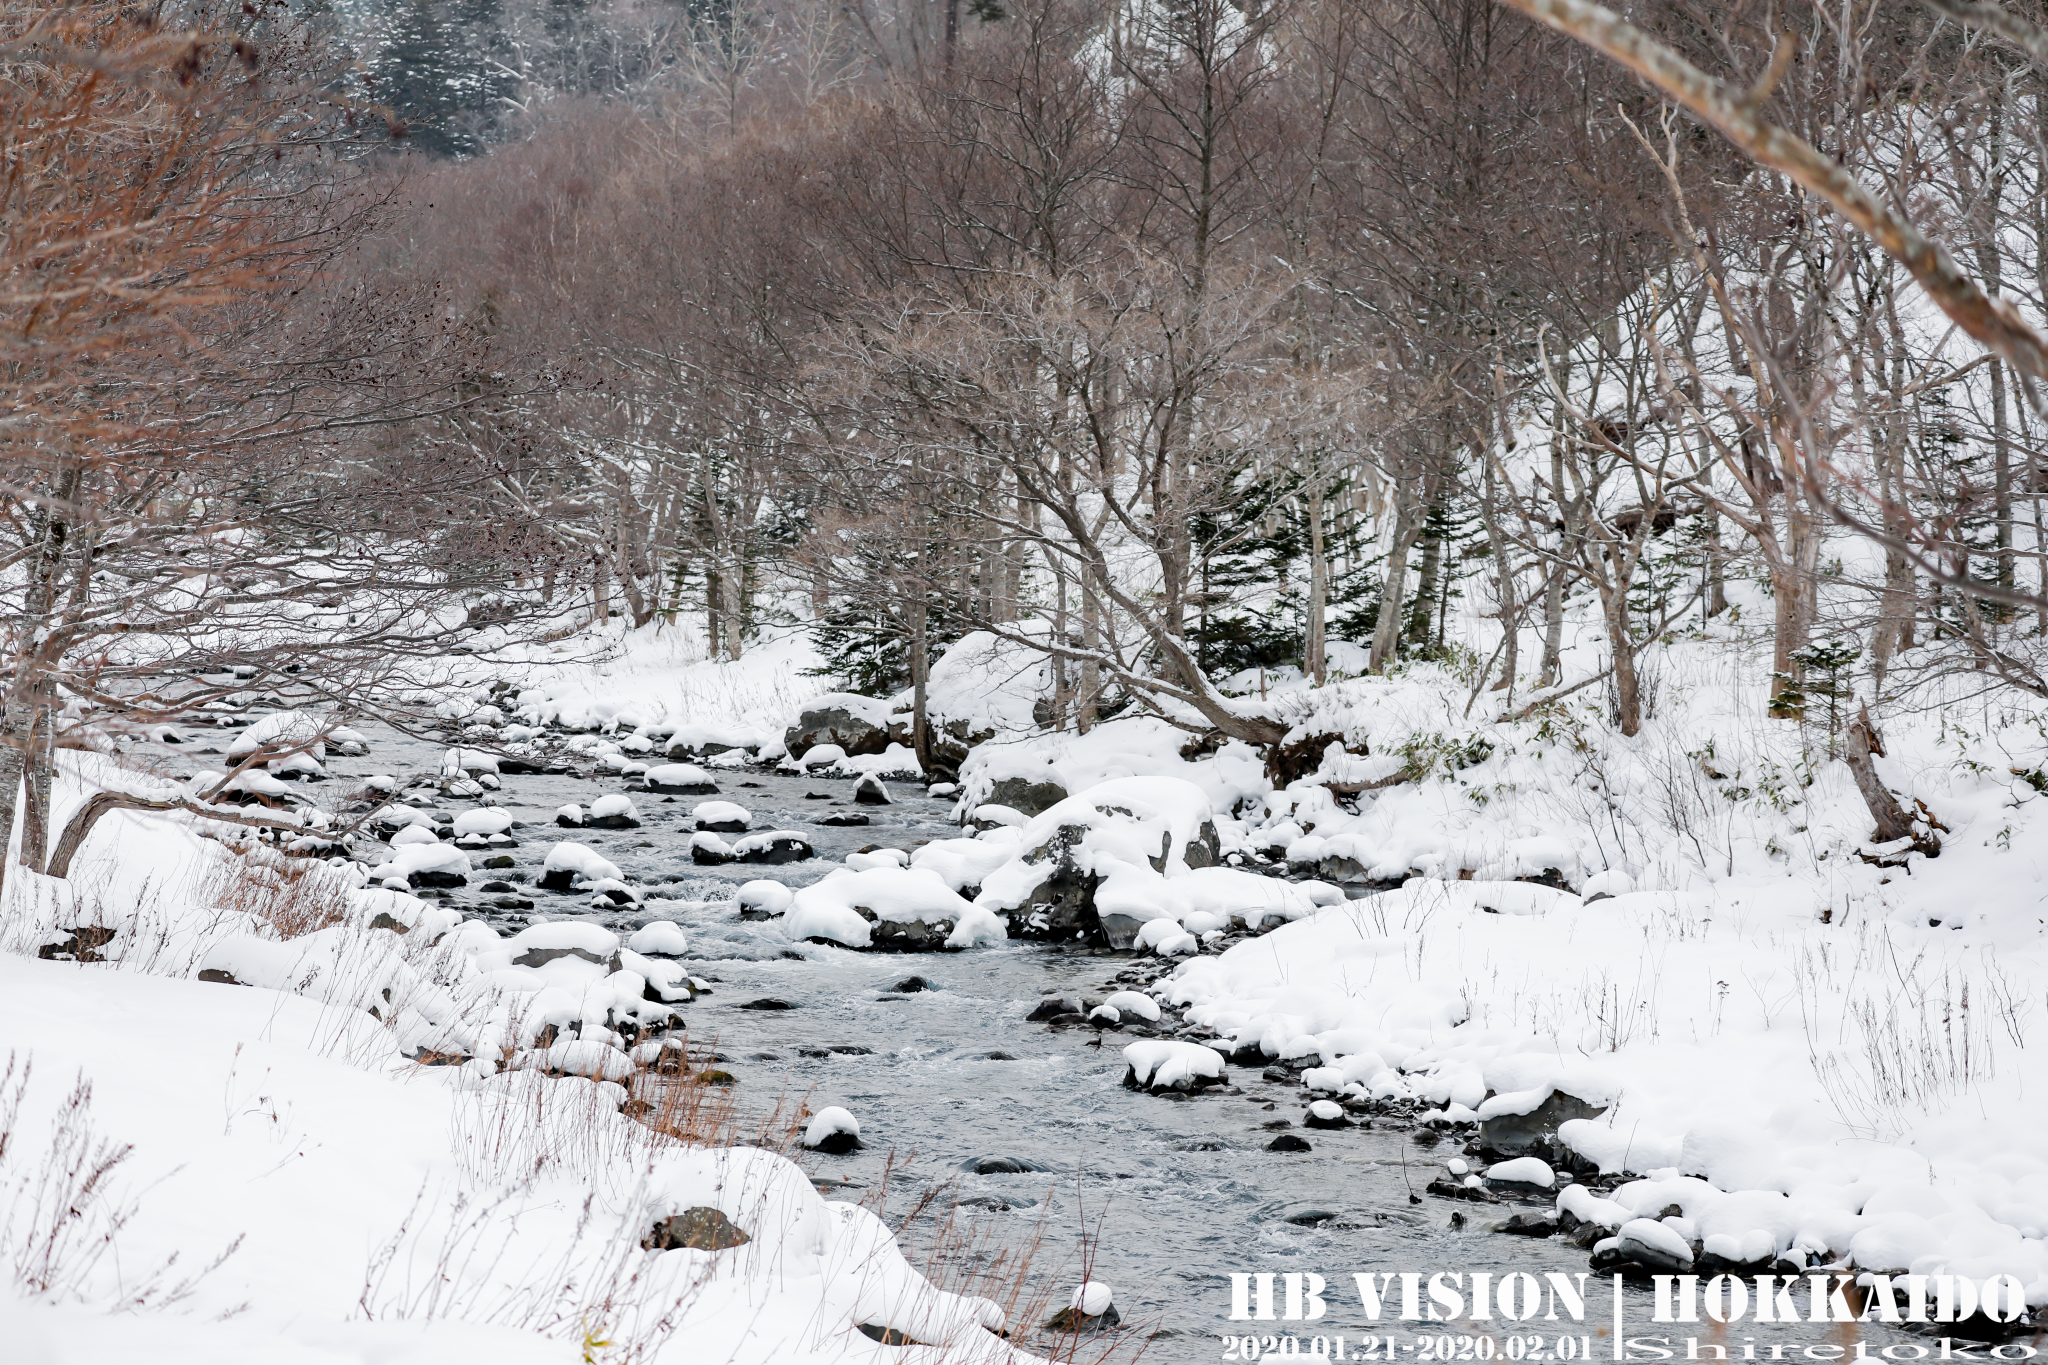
x=925, y=911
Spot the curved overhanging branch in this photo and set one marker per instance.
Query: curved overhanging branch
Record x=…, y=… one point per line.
x=1990, y=320
x=104, y=803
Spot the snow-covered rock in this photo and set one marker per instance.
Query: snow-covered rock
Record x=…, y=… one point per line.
x=722, y=817
x=890, y=908
x=680, y=779
x=1166, y=1064
x=568, y=863
x=834, y=1130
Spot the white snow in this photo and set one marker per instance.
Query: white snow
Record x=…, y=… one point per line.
x=663, y=937
x=830, y=908
x=582, y=860
x=1164, y=1061
x=827, y=1121
x=615, y=804
x=1527, y=1170
x=677, y=775
x=1131, y=1002
x=485, y=820
x=1092, y=1299
x=769, y=897
x=721, y=813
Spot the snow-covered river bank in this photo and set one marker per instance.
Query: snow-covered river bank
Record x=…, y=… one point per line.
x=962, y=1100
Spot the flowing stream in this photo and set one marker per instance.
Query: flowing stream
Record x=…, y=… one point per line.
x=1162, y=1198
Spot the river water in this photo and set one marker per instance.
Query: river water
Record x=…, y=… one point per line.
x=1160, y=1198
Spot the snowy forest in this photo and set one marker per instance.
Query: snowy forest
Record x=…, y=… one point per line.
x=1471, y=573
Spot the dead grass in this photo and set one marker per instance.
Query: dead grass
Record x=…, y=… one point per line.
x=293, y=896
x=61, y=1211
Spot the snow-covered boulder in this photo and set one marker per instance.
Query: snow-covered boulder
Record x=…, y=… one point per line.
x=772, y=846
x=870, y=791
x=615, y=811
x=434, y=864
x=894, y=909
x=1164, y=1064
x=487, y=820
x=764, y=899
x=722, y=817
x=833, y=1130
x=858, y=725
x=1131, y=835
x=568, y=863
x=659, y=938
x=680, y=779
x=544, y=943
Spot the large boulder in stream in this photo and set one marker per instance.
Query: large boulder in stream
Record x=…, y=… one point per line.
x=859, y=725
x=1130, y=826
x=889, y=909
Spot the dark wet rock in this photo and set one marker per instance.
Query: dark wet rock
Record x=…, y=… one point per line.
x=1535, y=1133
x=849, y=1050
x=1318, y=1121
x=218, y=977
x=870, y=791
x=1288, y=1142
x=722, y=826
x=557, y=879
x=82, y=944
x=506, y=887
x=905, y=936
x=1538, y=1223
x=698, y=1229
x=998, y=1165
x=1002, y=1056
x=499, y=863
x=838, y=1144
x=1631, y=1257
x=888, y=1336
x=568, y=821
x=775, y=848
x=1310, y=1217
x=717, y=1078
x=768, y=1002
x=1025, y=796
x=1451, y=1189
x=612, y=822
x=1074, y=1320
x=436, y=878
x=1053, y=1006
x=706, y=788
x=817, y=796
x=910, y=985
x=844, y=820
x=540, y=957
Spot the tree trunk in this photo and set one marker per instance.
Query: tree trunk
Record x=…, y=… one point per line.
x=1892, y=820
x=11, y=763
x=1091, y=671
x=1424, y=609
x=1792, y=590
x=1628, y=697
x=1503, y=572
x=1315, y=650
x=920, y=680
x=1386, y=634
x=713, y=642
x=38, y=786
